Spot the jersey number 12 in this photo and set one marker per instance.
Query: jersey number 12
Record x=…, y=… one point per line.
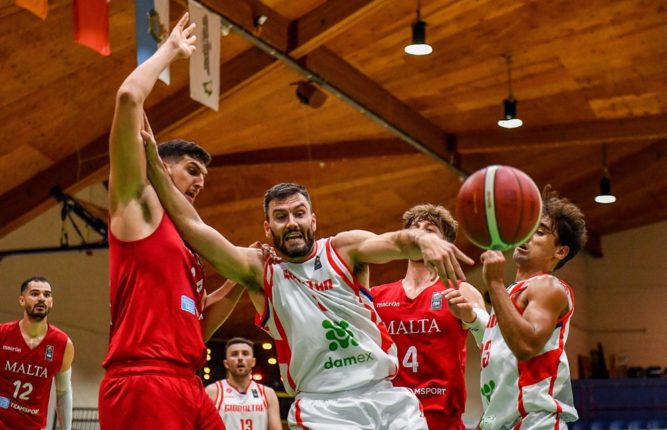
x=27, y=389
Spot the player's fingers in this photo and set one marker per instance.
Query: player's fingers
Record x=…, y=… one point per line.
x=450, y=292
x=463, y=257
x=184, y=19
x=457, y=271
x=189, y=30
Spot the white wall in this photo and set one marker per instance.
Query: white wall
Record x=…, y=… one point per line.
x=629, y=295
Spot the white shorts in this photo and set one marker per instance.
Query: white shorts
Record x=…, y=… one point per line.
x=379, y=406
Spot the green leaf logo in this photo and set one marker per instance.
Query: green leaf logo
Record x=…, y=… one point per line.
x=487, y=390
x=339, y=335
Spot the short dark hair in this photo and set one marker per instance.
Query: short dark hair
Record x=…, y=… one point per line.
x=174, y=150
x=237, y=340
x=567, y=223
x=436, y=214
x=25, y=283
x=282, y=191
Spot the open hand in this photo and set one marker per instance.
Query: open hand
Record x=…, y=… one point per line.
x=182, y=38
x=443, y=257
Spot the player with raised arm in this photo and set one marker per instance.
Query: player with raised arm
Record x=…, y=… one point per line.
x=332, y=347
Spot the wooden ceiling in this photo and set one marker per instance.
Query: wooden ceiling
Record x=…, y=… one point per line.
x=584, y=73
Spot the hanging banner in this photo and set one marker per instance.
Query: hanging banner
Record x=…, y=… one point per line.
x=152, y=29
x=38, y=7
x=91, y=24
x=205, y=61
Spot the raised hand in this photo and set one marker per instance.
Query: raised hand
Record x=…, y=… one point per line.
x=182, y=38
x=153, y=159
x=443, y=257
x=493, y=267
x=268, y=253
x=458, y=305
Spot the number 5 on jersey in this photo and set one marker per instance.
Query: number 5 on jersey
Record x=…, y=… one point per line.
x=410, y=359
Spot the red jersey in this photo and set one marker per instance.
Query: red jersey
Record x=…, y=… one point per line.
x=26, y=375
x=157, y=289
x=431, y=350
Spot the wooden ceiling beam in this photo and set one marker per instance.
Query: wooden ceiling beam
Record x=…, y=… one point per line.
x=613, y=131
x=329, y=20
x=27, y=200
x=374, y=98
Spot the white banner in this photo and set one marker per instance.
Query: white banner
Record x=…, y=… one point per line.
x=205, y=61
x=162, y=9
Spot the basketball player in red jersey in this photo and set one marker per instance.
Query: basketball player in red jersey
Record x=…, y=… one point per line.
x=33, y=353
x=426, y=319
x=156, y=282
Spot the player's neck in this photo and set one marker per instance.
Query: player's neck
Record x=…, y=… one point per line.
x=33, y=329
x=418, y=277
x=523, y=273
x=241, y=383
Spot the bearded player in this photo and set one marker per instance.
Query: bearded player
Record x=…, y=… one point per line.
x=33, y=353
x=334, y=352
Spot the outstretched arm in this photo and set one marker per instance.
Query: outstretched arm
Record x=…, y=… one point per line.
x=127, y=179
x=545, y=301
x=240, y=264
x=365, y=247
x=64, y=388
x=219, y=305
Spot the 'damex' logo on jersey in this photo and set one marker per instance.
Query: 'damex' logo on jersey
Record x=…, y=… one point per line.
x=341, y=337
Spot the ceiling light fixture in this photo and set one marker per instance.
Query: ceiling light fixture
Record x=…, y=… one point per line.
x=509, y=119
x=605, y=196
x=418, y=45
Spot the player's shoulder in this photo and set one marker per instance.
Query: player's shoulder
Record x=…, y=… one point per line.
x=7, y=325
x=546, y=284
x=56, y=332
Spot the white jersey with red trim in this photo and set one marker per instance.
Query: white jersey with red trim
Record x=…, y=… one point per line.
x=242, y=410
x=329, y=337
x=532, y=394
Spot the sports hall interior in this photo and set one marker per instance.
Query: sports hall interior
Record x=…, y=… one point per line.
x=374, y=132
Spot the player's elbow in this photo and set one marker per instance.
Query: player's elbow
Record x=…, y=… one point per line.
x=128, y=95
x=526, y=350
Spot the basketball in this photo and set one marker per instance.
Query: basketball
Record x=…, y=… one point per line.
x=498, y=207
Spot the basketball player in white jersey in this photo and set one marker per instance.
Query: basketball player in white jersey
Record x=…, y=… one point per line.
x=243, y=403
x=334, y=352
x=525, y=379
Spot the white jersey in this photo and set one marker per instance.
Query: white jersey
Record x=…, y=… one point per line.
x=531, y=394
x=242, y=411
x=329, y=337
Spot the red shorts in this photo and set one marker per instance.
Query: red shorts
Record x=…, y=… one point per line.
x=155, y=398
